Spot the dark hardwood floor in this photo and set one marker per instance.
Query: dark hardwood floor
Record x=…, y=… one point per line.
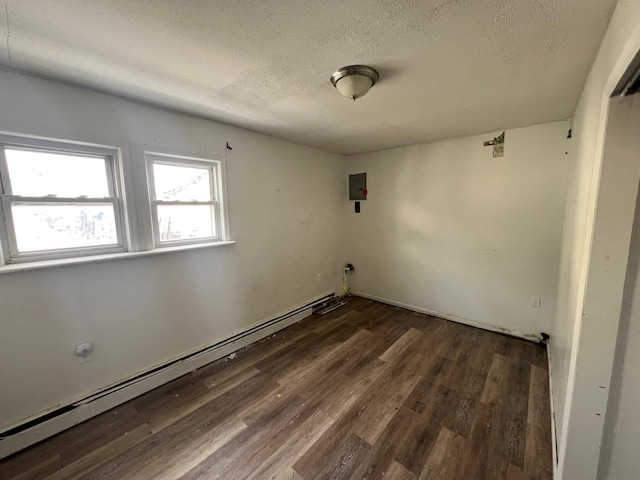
x=368, y=391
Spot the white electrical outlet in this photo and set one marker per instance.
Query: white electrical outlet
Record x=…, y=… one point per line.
x=535, y=302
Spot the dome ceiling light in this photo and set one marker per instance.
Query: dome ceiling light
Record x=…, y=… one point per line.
x=354, y=81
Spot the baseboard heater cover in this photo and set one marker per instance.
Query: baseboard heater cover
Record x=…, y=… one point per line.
x=56, y=421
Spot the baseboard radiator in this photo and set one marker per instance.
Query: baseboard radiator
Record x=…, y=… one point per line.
x=51, y=423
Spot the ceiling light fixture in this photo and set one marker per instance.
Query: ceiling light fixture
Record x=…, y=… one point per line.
x=354, y=81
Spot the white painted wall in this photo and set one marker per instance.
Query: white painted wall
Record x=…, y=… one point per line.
x=285, y=205
x=617, y=49
x=447, y=228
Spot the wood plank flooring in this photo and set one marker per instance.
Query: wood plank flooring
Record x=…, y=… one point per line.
x=368, y=391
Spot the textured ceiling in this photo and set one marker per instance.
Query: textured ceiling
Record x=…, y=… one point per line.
x=448, y=68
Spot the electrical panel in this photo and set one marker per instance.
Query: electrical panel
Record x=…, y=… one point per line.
x=358, y=186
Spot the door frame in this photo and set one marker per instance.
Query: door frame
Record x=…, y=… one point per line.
x=614, y=192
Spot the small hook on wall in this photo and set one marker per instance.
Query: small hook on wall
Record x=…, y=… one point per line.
x=229, y=146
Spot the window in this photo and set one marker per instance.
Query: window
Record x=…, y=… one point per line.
x=58, y=200
x=185, y=197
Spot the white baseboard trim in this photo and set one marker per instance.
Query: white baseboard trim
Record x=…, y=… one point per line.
x=552, y=406
x=112, y=397
x=453, y=318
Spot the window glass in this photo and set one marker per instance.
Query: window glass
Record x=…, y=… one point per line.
x=52, y=226
x=39, y=174
x=185, y=222
x=181, y=183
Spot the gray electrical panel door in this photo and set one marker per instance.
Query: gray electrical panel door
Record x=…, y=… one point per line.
x=358, y=186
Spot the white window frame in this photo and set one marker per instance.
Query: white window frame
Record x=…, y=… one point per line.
x=113, y=170
x=217, y=186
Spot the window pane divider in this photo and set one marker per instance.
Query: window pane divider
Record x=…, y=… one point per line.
x=53, y=199
x=177, y=202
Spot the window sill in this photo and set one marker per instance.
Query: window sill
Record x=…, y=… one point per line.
x=109, y=257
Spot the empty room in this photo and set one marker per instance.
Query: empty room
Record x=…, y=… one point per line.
x=289, y=240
